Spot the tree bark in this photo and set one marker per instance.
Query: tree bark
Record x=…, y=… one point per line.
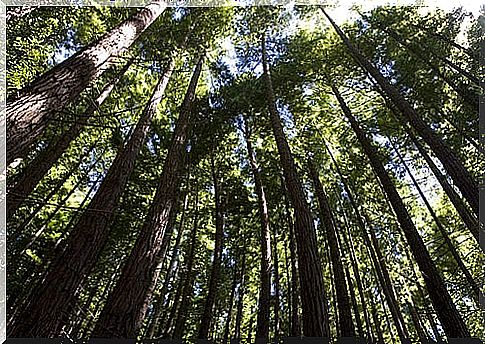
x=29, y=111
x=240, y=301
x=262, y=327
x=207, y=314
x=46, y=312
x=315, y=314
x=342, y=294
x=450, y=161
x=450, y=318
x=37, y=169
x=126, y=306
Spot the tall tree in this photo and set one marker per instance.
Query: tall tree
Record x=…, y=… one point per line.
x=29, y=110
x=315, y=314
x=45, y=313
x=450, y=317
x=448, y=158
x=125, y=309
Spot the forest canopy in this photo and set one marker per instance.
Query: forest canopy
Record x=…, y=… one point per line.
x=249, y=172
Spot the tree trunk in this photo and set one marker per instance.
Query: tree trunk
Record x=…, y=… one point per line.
x=262, y=327
x=189, y=276
x=344, y=306
x=37, y=169
x=448, y=158
x=46, y=312
x=170, y=272
x=315, y=314
x=276, y=285
x=450, y=318
x=227, y=326
x=207, y=314
x=240, y=301
x=470, y=221
x=475, y=289
x=29, y=111
x=125, y=309
x=295, y=329
x=355, y=307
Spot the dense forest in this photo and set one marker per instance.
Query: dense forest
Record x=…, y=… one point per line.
x=244, y=172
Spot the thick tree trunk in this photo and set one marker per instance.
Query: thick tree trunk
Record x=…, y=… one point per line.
x=344, y=306
x=28, y=112
x=262, y=327
x=207, y=314
x=450, y=317
x=455, y=168
x=48, y=307
x=37, y=169
x=472, y=284
x=125, y=309
x=315, y=315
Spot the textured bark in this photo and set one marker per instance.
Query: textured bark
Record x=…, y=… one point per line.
x=343, y=302
x=207, y=314
x=455, y=168
x=48, y=307
x=315, y=315
x=472, y=284
x=29, y=111
x=450, y=317
x=33, y=173
x=126, y=306
x=470, y=220
x=262, y=327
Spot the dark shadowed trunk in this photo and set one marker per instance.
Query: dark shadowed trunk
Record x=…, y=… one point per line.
x=240, y=299
x=315, y=315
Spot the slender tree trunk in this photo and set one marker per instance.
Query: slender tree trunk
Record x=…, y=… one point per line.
x=355, y=307
x=240, y=301
x=207, y=314
x=28, y=112
x=276, y=284
x=377, y=323
x=262, y=327
x=46, y=312
x=38, y=168
x=227, y=326
x=455, y=168
x=417, y=324
x=170, y=272
x=315, y=314
x=470, y=221
x=450, y=317
x=344, y=306
x=125, y=309
x=295, y=329
x=475, y=288
x=189, y=276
